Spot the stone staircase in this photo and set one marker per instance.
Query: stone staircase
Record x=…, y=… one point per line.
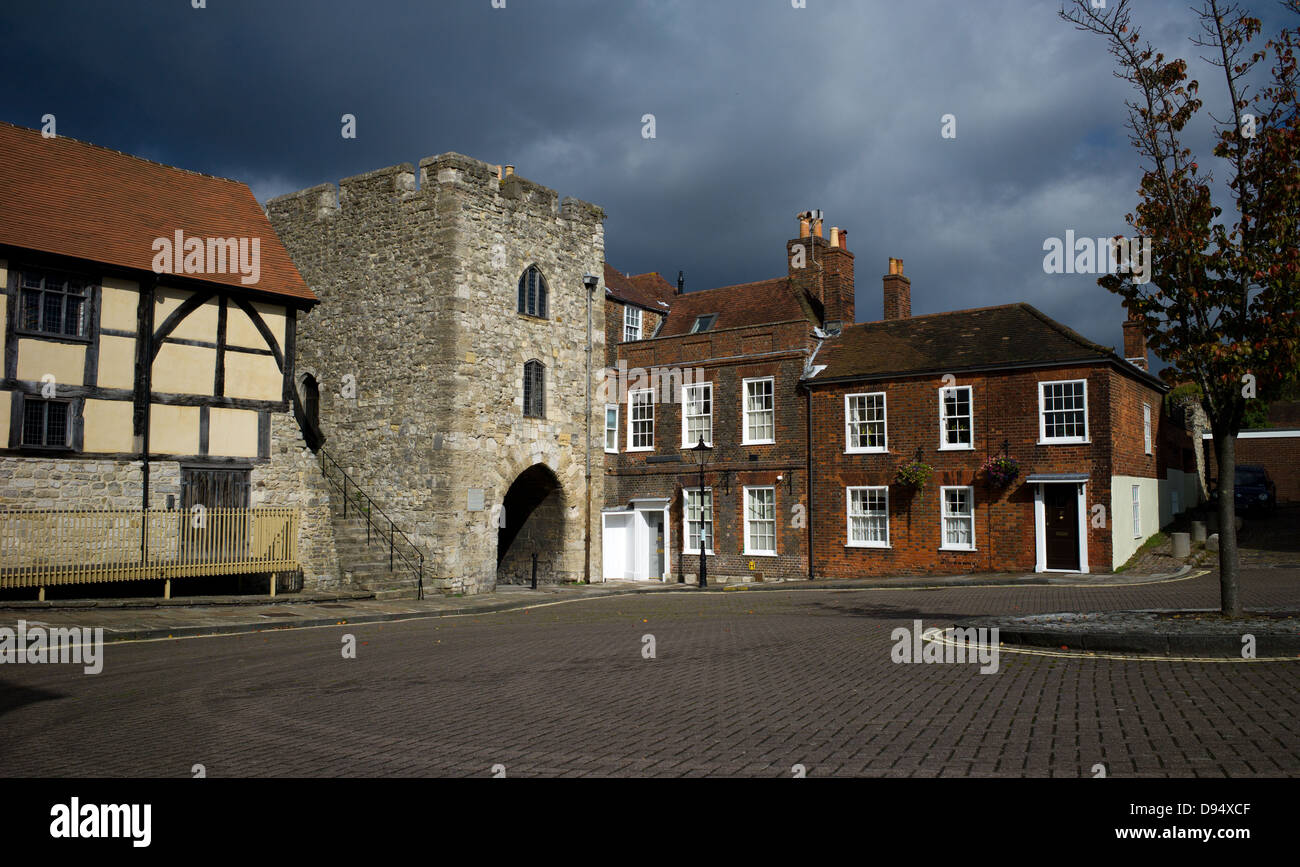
x=362, y=542
x=366, y=565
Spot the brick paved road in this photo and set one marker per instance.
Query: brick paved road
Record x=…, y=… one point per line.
x=744, y=683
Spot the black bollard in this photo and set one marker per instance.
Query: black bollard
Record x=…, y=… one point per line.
x=534, y=571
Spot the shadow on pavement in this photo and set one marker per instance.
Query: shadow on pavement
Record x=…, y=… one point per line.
x=14, y=697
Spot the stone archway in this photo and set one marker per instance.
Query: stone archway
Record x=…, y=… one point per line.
x=533, y=524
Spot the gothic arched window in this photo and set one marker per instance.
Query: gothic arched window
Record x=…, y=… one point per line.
x=535, y=389
x=532, y=293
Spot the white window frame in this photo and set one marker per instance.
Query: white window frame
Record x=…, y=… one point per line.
x=1146, y=426
x=686, y=522
x=631, y=331
x=687, y=390
x=631, y=437
x=608, y=450
x=1137, y=511
x=850, y=542
x=945, y=545
x=745, y=411
x=849, y=448
x=944, y=445
x=1043, y=438
x=749, y=545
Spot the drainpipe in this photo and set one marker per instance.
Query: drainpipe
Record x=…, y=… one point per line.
x=590, y=281
x=144, y=391
x=808, y=454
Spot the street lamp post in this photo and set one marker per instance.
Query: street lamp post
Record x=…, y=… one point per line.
x=701, y=452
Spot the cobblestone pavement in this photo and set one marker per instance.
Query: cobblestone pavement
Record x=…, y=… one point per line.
x=742, y=684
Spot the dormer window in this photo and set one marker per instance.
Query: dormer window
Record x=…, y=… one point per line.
x=703, y=323
x=532, y=293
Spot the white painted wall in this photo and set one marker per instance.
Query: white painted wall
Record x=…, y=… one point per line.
x=1123, y=545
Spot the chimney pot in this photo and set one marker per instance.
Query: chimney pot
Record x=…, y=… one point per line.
x=835, y=236
x=510, y=170
x=844, y=239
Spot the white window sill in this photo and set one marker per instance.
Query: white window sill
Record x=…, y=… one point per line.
x=760, y=554
x=758, y=442
x=1065, y=442
x=697, y=553
x=689, y=446
x=611, y=451
x=883, y=451
x=642, y=449
x=953, y=548
x=956, y=448
x=878, y=545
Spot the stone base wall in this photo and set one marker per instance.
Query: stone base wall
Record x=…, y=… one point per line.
x=292, y=478
x=69, y=482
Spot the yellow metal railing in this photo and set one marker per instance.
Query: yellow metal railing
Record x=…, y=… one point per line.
x=42, y=547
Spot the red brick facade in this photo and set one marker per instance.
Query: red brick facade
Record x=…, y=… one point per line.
x=1005, y=410
x=793, y=328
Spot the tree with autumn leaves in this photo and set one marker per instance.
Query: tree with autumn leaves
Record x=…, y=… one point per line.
x=1224, y=281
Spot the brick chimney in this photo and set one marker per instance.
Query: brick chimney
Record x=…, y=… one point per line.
x=898, y=292
x=1135, y=344
x=824, y=268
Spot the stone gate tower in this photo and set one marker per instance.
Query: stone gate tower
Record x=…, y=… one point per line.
x=420, y=352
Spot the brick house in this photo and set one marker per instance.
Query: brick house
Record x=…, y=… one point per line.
x=724, y=366
x=809, y=416
x=951, y=390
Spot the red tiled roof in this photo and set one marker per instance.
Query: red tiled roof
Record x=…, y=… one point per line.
x=736, y=306
x=987, y=337
x=63, y=196
x=650, y=291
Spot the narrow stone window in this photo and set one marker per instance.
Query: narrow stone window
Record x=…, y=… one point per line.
x=532, y=293
x=534, y=389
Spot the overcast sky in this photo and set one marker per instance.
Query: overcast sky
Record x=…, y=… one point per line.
x=761, y=111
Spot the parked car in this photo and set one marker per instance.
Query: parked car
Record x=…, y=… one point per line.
x=1254, y=490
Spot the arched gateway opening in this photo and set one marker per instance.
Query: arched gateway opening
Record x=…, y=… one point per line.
x=534, y=524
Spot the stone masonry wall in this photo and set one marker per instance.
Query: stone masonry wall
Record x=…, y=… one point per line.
x=292, y=478
x=419, y=349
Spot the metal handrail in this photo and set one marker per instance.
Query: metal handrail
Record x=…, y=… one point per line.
x=371, y=507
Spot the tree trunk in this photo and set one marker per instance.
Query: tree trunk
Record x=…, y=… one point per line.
x=1225, y=451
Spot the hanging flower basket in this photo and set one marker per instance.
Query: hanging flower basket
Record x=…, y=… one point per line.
x=1001, y=470
x=914, y=475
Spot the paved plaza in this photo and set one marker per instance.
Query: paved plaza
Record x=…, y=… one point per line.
x=742, y=683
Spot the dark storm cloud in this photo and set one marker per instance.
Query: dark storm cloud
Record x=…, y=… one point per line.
x=761, y=111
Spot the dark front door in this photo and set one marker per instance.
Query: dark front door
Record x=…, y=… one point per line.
x=1061, y=505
